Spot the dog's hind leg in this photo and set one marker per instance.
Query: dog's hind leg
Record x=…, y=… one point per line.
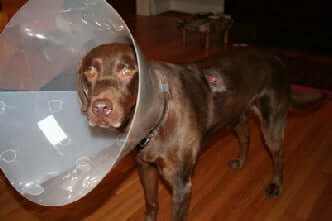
x=242, y=132
x=273, y=115
x=149, y=178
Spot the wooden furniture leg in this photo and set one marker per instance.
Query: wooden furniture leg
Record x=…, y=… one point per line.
x=207, y=40
x=226, y=36
x=184, y=36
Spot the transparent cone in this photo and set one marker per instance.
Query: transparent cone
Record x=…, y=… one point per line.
x=47, y=150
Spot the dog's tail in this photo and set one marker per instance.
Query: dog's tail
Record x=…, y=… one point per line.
x=299, y=100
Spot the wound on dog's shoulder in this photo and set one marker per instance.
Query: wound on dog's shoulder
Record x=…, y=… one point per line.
x=215, y=81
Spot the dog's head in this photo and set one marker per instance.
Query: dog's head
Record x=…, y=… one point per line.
x=107, y=84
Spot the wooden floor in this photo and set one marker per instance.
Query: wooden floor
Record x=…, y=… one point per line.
x=219, y=193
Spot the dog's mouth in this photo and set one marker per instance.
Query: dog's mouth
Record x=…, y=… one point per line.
x=103, y=123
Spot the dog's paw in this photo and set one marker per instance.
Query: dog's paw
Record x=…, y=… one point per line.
x=236, y=164
x=150, y=218
x=273, y=190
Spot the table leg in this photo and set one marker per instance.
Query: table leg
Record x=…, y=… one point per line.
x=226, y=36
x=207, y=40
x=184, y=37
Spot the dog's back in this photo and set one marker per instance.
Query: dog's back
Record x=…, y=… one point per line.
x=223, y=87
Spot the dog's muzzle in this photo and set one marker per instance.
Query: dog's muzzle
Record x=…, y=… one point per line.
x=102, y=108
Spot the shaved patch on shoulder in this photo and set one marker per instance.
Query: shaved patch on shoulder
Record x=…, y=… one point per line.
x=215, y=81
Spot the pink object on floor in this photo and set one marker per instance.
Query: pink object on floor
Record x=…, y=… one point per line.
x=305, y=89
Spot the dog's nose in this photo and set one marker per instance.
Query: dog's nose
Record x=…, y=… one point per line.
x=102, y=107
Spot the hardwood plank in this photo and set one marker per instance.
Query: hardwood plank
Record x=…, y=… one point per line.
x=323, y=207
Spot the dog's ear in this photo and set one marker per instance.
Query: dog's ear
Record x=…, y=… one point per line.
x=82, y=88
x=215, y=80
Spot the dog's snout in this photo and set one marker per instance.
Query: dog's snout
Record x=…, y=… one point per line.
x=102, y=107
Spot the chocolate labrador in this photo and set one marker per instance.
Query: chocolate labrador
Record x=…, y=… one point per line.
x=202, y=98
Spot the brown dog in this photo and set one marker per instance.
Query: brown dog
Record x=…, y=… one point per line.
x=203, y=97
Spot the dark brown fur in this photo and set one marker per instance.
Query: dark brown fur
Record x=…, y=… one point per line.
x=203, y=97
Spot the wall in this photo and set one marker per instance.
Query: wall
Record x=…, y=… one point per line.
x=194, y=6
x=153, y=7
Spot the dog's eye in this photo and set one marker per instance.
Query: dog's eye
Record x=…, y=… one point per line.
x=91, y=73
x=126, y=70
x=123, y=69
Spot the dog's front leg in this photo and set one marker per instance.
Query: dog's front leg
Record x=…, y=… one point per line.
x=177, y=174
x=149, y=178
x=181, y=195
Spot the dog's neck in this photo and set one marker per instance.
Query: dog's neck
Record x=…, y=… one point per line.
x=146, y=140
x=163, y=86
